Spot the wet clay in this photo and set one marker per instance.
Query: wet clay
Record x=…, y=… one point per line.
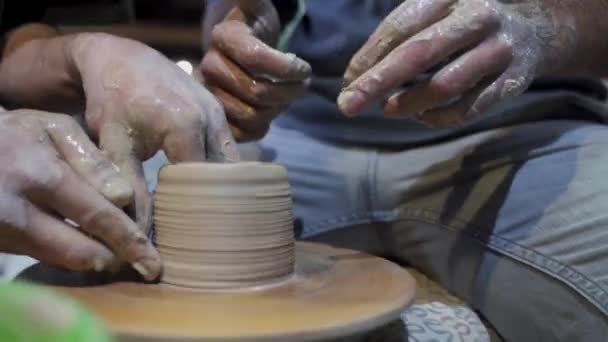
x=232, y=271
x=224, y=226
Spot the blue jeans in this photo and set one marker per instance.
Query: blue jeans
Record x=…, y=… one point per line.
x=513, y=220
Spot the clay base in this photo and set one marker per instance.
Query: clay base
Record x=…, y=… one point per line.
x=334, y=293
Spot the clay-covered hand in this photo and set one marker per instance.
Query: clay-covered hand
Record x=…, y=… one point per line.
x=139, y=102
x=50, y=172
x=493, y=49
x=253, y=81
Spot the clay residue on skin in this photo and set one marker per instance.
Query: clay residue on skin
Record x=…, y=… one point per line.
x=117, y=76
x=146, y=94
x=398, y=28
x=511, y=86
x=420, y=34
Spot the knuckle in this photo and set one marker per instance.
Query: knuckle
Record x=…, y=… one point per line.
x=211, y=64
x=219, y=33
x=44, y=176
x=111, y=183
x=95, y=220
x=259, y=92
x=503, y=46
x=14, y=214
x=444, y=88
x=104, y=167
x=225, y=31
x=76, y=258
x=249, y=56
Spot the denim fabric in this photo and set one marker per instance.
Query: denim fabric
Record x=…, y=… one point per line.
x=514, y=220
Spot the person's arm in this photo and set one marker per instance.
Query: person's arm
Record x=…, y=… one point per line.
x=135, y=102
x=36, y=71
x=586, y=26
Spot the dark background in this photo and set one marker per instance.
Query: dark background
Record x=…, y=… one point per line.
x=171, y=26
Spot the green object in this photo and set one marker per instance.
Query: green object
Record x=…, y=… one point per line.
x=33, y=314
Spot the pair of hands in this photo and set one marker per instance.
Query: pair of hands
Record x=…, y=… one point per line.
x=137, y=103
x=486, y=51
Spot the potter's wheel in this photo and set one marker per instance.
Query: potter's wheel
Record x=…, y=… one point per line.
x=232, y=271
x=334, y=293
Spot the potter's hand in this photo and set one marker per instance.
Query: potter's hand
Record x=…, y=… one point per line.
x=138, y=102
x=51, y=171
x=253, y=81
x=495, y=48
x=135, y=97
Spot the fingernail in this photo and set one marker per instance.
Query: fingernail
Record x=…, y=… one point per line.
x=118, y=191
x=391, y=107
x=140, y=237
x=349, y=77
x=139, y=267
x=349, y=101
x=297, y=64
x=98, y=264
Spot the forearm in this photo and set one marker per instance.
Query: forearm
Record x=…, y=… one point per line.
x=38, y=73
x=584, y=26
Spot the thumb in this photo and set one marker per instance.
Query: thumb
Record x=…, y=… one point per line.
x=261, y=16
x=87, y=160
x=116, y=142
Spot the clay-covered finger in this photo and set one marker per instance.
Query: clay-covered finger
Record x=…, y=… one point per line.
x=235, y=108
x=262, y=17
x=455, y=79
x=140, y=209
x=237, y=41
x=414, y=57
x=87, y=160
x=115, y=141
x=456, y=114
x=247, y=123
x=223, y=72
x=221, y=145
x=246, y=132
x=511, y=83
x=240, y=111
x=186, y=144
x=401, y=24
x=142, y=206
x=74, y=199
x=53, y=242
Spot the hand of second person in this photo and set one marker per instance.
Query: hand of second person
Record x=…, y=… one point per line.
x=494, y=50
x=253, y=81
x=139, y=102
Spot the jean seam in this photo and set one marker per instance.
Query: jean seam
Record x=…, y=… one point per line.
x=371, y=180
x=499, y=244
x=507, y=247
